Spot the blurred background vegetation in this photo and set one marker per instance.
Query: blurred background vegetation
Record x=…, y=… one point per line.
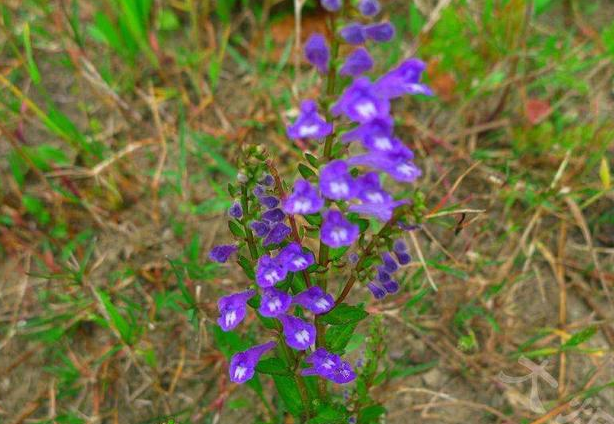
x=121, y=122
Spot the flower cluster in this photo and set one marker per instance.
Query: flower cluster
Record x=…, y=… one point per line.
x=343, y=191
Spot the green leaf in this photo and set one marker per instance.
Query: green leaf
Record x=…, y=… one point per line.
x=32, y=68
x=413, y=369
x=117, y=320
x=338, y=336
x=167, y=20
x=306, y=171
x=329, y=414
x=236, y=229
x=289, y=393
x=371, y=414
x=247, y=267
x=273, y=366
x=344, y=314
x=579, y=337
x=313, y=161
x=604, y=174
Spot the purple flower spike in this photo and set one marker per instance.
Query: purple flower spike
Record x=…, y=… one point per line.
x=353, y=33
x=317, y=52
x=369, y=7
x=389, y=263
x=243, y=364
x=269, y=272
x=222, y=252
x=380, y=33
x=376, y=290
x=331, y=5
x=260, y=228
x=298, y=333
x=337, y=231
x=309, y=123
x=278, y=233
x=233, y=308
x=357, y=63
x=329, y=366
x=304, y=199
x=376, y=201
x=274, y=215
x=274, y=302
x=404, y=79
x=294, y=259
x=235, y=211
x=360, y=102
x=403, y=257
x=391, y=286
x=397, y=166
x=315, y=299
x=336, y=183
x=269, y=202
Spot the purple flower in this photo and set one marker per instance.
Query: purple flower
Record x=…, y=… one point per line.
x=391, y=286
x=269, y=272
x=353, y=258
x=357, y=63
x=360, y=102
x=389, y=263
x=377, y=137
x=317, y=52
x=233, y=308
x=336, y=183
x=315, y=299
x=331, y=5
x=278, y=233
x=260, y=228
x=383, y=275
x=274, y=215
x=304, y=199
x=337, y=231
x=398, y=166
x=235, y=211
x=404, y=79
x=399, y=246
x=376, y=290
x=375, y=200
x=380, y=33
x=403, y=257
x=294, y=259
x=329, y=366
x=222, y=252
x=259, y=191
x=353, y=33
x=309, y=123
x=274, y=302
x=243, y=364
x=298, y=334
x=269, y=202
x=268, y=180
x=369, y=7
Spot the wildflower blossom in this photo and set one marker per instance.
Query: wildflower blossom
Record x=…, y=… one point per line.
x=233, y=309
x=329, y=366
x=404, y=79
x=294, y=259
x=269, y=272
x=317, y=52
x=331, y=5
x=391, y=286
x=243, y=364
x=222, y=252
x=376, y=290
x=357, y=63
x=298, y=334
x=261, y=229
x=315, y=299
x=337, y=231
x=274, y=215
x=269, y=202
x=353, y=33
x=309, y=123
x=274, y=302
x=398, y=167
x=369, y=7
x=336, y=183
x=375, y=200
x=380, y=33
x=360, y=102
x=389, y=263
x=267, y=180
x=304, y=199
x=278, y=233
x=235, y=211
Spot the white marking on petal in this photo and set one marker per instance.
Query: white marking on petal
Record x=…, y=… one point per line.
x=339, y=234
x=339, y=188
x=383, y=143
x=322, y=304
x=328, y=364
x=299, y=262
x=274, y=304
x=366, y=109
x=240, y=372
x=302, y=206
x=272, y=276
x=375, y=197
x=230, y=318
x=302, y=336
x=307, y=130
x=406, y=169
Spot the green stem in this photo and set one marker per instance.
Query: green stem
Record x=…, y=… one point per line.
x=300, y=381
x=251, y=243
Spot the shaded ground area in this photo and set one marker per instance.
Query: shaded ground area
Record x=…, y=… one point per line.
x=115, y=159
